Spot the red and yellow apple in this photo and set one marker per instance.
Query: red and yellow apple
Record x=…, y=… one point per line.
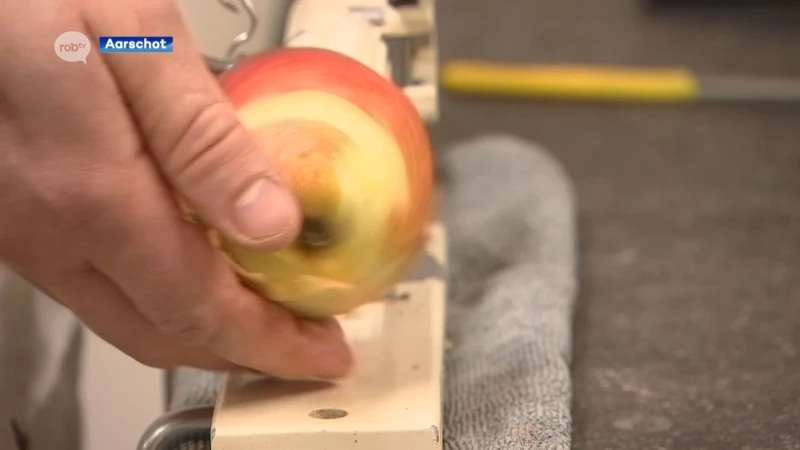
x=358, y=158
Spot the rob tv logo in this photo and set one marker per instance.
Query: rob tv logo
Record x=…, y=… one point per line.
x=74, y=46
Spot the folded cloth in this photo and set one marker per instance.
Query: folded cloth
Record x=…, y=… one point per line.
x=510, y=214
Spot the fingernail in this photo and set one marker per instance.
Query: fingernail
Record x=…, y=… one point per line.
x=264, y=210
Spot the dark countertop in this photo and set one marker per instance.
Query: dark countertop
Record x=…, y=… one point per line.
x=687, y=329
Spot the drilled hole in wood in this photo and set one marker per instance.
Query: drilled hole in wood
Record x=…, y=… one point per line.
x=396, y=295
x=328, y=413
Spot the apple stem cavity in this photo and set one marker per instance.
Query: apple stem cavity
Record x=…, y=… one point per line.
x=315, y=234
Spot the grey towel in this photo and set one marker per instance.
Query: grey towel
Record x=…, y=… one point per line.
x=510, y=217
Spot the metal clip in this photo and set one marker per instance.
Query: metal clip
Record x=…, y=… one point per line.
x=233, y=55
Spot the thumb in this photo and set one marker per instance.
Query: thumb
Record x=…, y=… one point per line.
x=194, y=134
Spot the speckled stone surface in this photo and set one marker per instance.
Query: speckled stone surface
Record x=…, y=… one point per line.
x=687, y=334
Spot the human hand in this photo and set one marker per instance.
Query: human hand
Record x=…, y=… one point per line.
x=92, y=157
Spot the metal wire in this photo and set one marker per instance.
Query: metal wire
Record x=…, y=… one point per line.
x=233, y=54
x=244, y=37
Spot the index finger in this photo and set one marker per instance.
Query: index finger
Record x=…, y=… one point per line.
x=186, y=288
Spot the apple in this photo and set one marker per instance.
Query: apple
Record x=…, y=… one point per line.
x=358, y=158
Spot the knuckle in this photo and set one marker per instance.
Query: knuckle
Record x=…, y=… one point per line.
x=78, y=203
x=210, y=142
x=155, y=12
x=197, y=327
x=64, y=199
x=82, y=201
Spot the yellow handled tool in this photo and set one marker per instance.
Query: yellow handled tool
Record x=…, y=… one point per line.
x=609, y=83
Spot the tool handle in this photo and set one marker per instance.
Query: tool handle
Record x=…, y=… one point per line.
x=576, y=82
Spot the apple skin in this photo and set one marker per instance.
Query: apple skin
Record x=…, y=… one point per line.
x=357, y=156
